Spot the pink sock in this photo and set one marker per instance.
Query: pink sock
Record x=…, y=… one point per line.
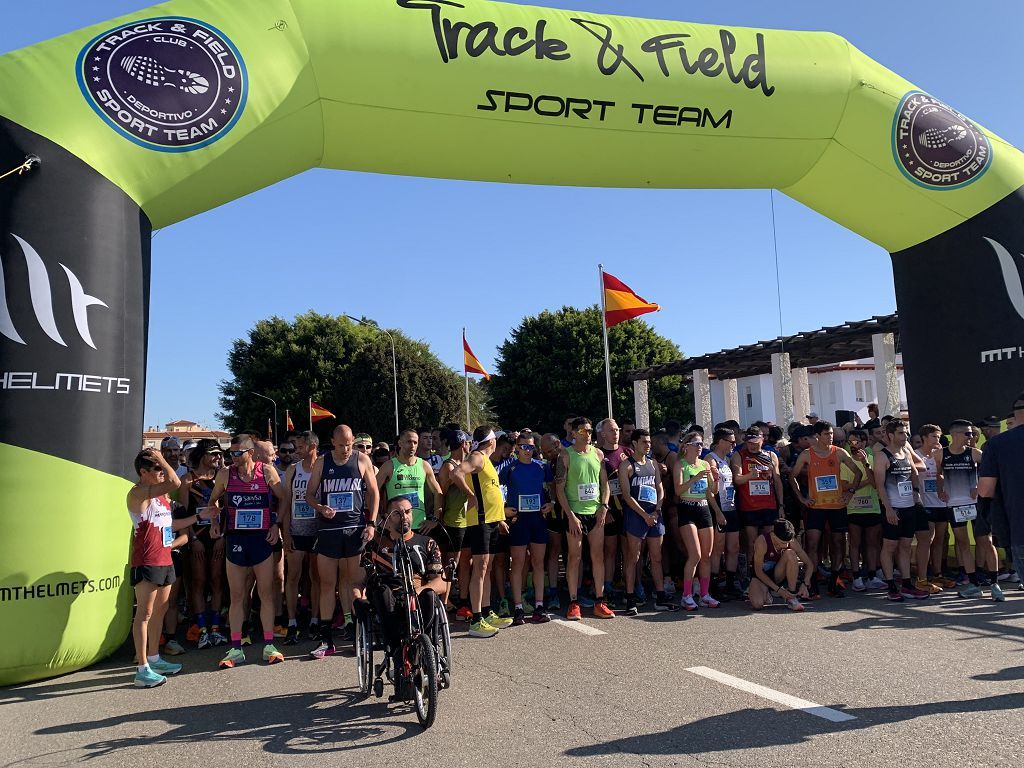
x=236, y=636
x=705, y=585
x=268, y=637
x=687, y=587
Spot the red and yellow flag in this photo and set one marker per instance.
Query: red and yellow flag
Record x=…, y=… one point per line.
x=473, y=364
x=288, y=423
x=621, y=303
x=318, y=412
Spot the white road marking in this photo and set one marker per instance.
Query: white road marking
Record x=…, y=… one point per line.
x=772, y=695
x=579, y=626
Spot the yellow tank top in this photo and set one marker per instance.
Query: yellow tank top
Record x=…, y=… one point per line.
x=490, y=504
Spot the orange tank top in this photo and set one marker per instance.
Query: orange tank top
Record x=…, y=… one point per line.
x=823, y=480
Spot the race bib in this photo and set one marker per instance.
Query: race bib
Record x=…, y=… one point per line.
x=587, y=491
x=931, y=485
x=199, y=520
x=248, y=519
x=414, y=499
x=965, y=513
x=529, y=502
x=824, y=483
x=861, y=502
x=905, y=488
x=342, y=501
x=613, y=486
x=648, y=494
x=168, y=535
x=504, y=493
x=760, y=488
x=302, y=511
x=730, y=493
x=701, y=486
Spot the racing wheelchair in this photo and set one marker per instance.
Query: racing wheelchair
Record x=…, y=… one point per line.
x=420, y=663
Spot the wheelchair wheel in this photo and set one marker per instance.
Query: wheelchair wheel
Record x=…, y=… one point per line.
x=424, y=678
x=364, y=654
x=443, y=644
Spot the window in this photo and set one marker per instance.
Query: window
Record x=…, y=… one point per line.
x=749, y=396
x=832, y=392
x=869, y=388
x=858, y=386
x=810, y=394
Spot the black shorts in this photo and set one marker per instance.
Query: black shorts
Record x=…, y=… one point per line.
x=837, y=519
x=178, y=562
x=732, y=520
x=247, y=549
x=304, y=543
x=449, y=538
x=160, y=575
x=588, y=523
x=864, y=519
x=698, y=515
x=920, y=519
x=945, y=515
x=481, y=539
x=500, y=543
x=758, y=518
x=340, y=543
x=907, y=525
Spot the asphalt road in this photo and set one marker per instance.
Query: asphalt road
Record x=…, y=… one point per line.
x=932, y=683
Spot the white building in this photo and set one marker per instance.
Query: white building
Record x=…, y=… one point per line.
x=845, y=386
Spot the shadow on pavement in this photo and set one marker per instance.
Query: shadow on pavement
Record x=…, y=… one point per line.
x=1010, y=673
x=757, y=728
x=300, y=723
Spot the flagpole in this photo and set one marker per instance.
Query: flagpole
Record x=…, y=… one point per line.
x=469, y=426
x=311, y=414
x=604, y=330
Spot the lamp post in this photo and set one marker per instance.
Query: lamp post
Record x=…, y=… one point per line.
x=274, y=403
x=394, y=359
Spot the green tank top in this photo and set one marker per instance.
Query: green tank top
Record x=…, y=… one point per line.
x=408, y=481
x=454, y=506
x=698, y=491
x=583, y=482
x=864, y=501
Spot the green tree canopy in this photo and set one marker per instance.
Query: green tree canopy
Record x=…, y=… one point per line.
x=345, y=367
x=552, y=366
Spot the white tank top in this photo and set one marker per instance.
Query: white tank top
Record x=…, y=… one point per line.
x=929, y=484
x=303, y=517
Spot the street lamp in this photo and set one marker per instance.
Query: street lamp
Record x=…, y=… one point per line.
x=394, y=359
x=275, y=408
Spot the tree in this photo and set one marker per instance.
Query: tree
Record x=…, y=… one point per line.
x=552, y=366
x=345, y=367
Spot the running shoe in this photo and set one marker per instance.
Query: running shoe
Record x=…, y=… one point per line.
x=641, y=595
x=876, y=583
x=519, y=617
x=858, y=585
x=173, y=648
x=339, y=620
x=482, y=628
x=971, y=590
x=217, y=638
x=1010, y=576
x=348, y=632
x=163, y=667
x=894, y=596
x=204, y=640
x=630, y=609
x=707, y=601
x=984, y=580
x=586, y=602
x=193, y=633
x=323, y=650
x=997, y=594
x=246, y=639
x=573, y=614
x=539, y=617
x=463, y=614
x=688, y=603
x=271, y=655
x=147, y=678
x=669, y=586
x=913, y=593
x=665, y=604
x=503, y=610
x=962, y=580
x=496, y=621
x=927, y=586
x=293, y=635
x=554, y=602
x=602, y=611
x=280, y=630
x=795, y=604
x=835, y=590
x=943, y=582
x=234, y=657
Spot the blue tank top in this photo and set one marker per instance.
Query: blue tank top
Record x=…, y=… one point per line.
x=341, y=488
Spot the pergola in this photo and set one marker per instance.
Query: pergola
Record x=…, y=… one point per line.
x=787, y=359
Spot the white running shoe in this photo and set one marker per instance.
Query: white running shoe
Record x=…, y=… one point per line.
x=669, y=587
x=688, y=603
x=876, y=583
x=707, y=601
x=858, y=585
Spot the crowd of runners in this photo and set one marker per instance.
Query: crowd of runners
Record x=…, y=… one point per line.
x=605, y=518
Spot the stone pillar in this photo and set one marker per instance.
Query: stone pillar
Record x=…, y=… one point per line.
x=732, y=400
x=887, y=384
x=802, y=396
x=702, y=398
x=782, y=386
x=641, y=405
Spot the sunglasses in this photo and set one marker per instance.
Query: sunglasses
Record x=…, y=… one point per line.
x=236, y=454
x=287, y=450
x=363, y=446
x=695, y=443
x=584, y=430
x=525, y=447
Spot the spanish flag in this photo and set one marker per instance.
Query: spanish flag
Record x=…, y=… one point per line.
x=318, y=412
x=473, y=365
x=620, y=303
x=288, y=423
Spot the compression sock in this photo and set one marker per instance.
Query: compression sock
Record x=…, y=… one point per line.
x=268, y=637
x=687, y=587
x=236, y=640
x=705, y=585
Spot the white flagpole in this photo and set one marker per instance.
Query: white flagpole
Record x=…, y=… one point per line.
x=604, y=330
x=311, y=414
x=469, y=426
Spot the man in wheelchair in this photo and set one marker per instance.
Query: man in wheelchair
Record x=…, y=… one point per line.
x=384, y=585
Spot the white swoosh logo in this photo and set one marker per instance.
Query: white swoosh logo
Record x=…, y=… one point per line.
x=39, y=288
x=1011, y=276
x=80, y=303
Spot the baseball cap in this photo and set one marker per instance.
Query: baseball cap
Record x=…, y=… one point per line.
x=170, y=442
x=751, y=433
x=812, y=415
x=189, y=445
x=992, y=421
x=872, y=424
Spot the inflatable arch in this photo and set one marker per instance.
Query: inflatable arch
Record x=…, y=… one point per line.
x=148, y=119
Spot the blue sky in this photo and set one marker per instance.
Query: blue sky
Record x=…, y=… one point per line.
x=329, y=240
